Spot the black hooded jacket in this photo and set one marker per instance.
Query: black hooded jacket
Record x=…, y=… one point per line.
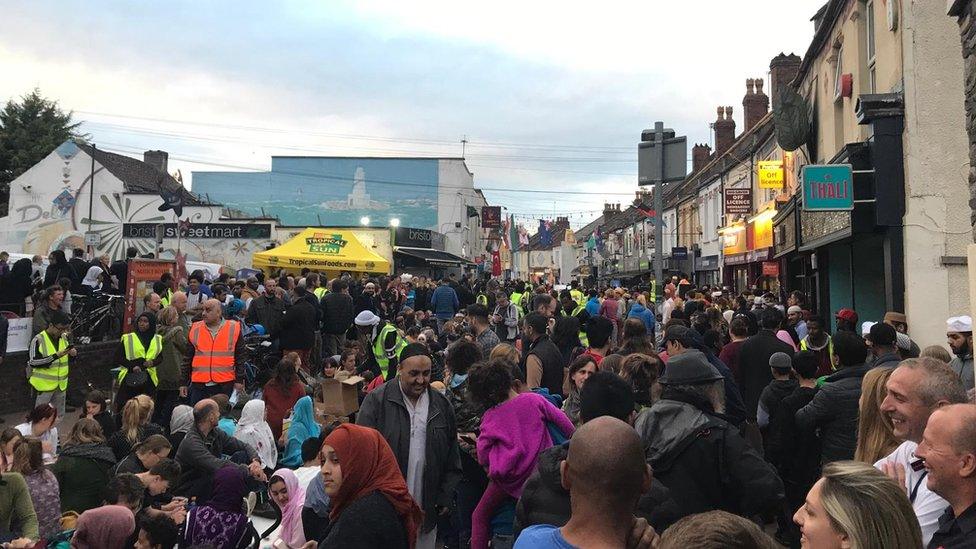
x=545, y=501
x=701, y=458
x=56, y=272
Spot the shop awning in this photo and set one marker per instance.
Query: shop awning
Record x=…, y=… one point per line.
x=322, y=249
x=434, y=258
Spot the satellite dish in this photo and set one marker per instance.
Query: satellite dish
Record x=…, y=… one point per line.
x=792, y=120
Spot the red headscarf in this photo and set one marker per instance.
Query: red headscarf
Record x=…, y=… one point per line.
x=368, y=465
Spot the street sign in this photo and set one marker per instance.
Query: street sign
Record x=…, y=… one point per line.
x=649, y=160
x=770, y=268
x=828, y=187
x=679, y=252
x=93, y=239
x=771, y=175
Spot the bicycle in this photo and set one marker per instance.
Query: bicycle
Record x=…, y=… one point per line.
x=99, y=317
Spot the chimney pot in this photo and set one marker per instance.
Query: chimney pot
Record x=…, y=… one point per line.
x=755, y=105
x=724, y=131
x=749, y=85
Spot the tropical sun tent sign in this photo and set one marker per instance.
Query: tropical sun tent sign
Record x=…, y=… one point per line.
x=330, y=250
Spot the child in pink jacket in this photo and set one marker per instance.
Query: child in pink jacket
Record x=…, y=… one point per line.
x=514, y=431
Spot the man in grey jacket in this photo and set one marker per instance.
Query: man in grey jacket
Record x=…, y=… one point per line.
x=834, y=409
x=201, y=453
x=419, y=424
x=959, y=331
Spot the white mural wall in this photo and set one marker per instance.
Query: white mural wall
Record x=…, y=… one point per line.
x=52, y=207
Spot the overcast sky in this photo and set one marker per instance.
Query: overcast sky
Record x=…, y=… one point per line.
x=551, y=96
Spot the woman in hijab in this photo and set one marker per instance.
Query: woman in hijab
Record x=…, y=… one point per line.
x=289, y=496
x=221, y=522
x=303, y=427
x=138, y=368
x=92, y=280
x=255, y=431
x=106, y=527
x=15, y=286
x=371, y=506
x=57, y=269
x=179, y=425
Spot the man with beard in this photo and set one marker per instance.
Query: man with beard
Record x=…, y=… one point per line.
x=959, y=331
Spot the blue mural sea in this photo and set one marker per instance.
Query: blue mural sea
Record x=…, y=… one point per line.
x=332, y=191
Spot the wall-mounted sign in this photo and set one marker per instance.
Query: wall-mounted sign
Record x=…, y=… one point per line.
x=771, y=175
x=679, y=252
x=212, y=231
x=491, y=217
x=734, y=240
x=762, y=232
x=412, y=238
x=738, y=201
x=828, y=187
x=770, y=268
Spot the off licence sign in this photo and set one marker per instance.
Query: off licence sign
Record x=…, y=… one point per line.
x=828, y=187
x=738, y=201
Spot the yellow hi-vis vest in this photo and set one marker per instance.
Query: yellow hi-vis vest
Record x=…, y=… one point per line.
x=134, y=350
x=55, y=376
x=482, y=299
x=379, y=351
x=165, y=300
x=577, y=295
x=319, y=292
x=582, y=334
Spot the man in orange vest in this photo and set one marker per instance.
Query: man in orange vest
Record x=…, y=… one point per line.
x=215, y=355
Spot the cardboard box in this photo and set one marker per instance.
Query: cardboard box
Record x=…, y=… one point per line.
x=339, y=398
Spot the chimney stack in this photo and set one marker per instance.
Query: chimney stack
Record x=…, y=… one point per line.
x=156, y=159
x=755, y=104
x=782, y=70
x=608, y=212
x=700, y=155
x=724, y=130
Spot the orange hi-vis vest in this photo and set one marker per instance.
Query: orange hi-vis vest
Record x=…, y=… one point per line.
x=213, y=357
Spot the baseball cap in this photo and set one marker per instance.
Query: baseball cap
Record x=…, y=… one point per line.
x=883, y=334
x=847, y=314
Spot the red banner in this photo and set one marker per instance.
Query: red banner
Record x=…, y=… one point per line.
x=496, y=264
x=142, y=274
x=770, y=268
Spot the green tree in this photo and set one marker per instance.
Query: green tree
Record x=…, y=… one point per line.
x=29, y=130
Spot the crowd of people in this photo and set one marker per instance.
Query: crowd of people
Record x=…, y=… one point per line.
x=493, y=414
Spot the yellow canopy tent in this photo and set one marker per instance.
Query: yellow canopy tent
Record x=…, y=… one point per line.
x=329, y=250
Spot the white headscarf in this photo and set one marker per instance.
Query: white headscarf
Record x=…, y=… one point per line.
x=253, y=430
x=91, y=277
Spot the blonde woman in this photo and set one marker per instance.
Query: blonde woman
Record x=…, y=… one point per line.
x=135, y=426
x=854, y=505
x=875, y=439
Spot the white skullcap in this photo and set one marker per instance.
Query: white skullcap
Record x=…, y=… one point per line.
x=406, y=277
x=866, y=327
x=367, y=318
x=794, y=309
x=727, y=315
x=716, y=294
x=959, y=324
x=758, y=300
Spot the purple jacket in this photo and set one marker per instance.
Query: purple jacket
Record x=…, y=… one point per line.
x=513, y=434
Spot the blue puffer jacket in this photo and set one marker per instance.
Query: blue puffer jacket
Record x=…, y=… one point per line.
x=641, y=312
